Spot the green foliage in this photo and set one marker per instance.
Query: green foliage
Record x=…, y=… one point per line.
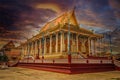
x=3, y=58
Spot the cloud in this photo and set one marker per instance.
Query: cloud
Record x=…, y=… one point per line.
x=51, y=6
x=21, y=19
x=115, y=5
x=96, y=13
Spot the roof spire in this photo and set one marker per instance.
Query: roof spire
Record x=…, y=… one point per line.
x=74, y=8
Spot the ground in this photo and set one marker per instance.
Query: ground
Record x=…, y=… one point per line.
x=17, y=73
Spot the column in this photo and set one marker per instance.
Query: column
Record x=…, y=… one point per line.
x=22, y=51
x=77, y=41
x=99, y=44
x=25, y=49
x=50, y=44
x=32, y=48
x=61, y=47
x=42, y=40
x=89, y=46
x=28, y=50
x=56, y=42
x=94, y=46
x=35, y=49
x=63, y=42
x=37, y=56
x=40, y=46
x=45, y=45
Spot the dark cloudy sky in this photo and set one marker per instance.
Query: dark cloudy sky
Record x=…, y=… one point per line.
x=21, y=19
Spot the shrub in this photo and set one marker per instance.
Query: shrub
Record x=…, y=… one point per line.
x=3, y=58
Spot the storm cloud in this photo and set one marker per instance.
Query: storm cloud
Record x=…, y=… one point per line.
x=21, y=19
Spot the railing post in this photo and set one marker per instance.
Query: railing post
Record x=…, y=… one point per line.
x=87, y=61
x=112, y=61
x=101, y=61
x=42, y=59
x=53, y=61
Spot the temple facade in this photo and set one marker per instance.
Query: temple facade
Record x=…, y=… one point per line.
x=61, y=37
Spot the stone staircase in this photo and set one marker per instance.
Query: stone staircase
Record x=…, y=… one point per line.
x=117, y=65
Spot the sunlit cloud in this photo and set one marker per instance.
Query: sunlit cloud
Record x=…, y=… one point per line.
x=50, y=6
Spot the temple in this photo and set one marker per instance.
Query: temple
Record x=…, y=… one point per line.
x=62, y=37
x=63, y=46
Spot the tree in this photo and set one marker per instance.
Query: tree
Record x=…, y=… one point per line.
x=3, y=60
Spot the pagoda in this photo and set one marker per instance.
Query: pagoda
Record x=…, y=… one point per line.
x=63, y=46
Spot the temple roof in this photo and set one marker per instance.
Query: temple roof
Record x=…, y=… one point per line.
x=10, y=44
x=61, y=23
x=68, y=17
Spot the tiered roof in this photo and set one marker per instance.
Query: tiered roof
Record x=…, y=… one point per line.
x=62, y=22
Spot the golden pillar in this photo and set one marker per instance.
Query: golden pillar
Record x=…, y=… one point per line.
x=25, y=49
x=61, y=47
x=95, y=47
x=40, y=47
x=77, y=42
x=50, y=44
x=91, y=50
x=32, y=48
x=63, y=42
x=35, y=48
x=56, y=42
x=45, y=45
x=89, y=46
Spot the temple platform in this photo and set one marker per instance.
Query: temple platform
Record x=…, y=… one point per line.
x=76, y=66
x=117, y=65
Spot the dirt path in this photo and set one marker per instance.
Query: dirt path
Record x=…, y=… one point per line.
x=17, y=73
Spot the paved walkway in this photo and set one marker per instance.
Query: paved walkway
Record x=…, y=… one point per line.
x=17, y=73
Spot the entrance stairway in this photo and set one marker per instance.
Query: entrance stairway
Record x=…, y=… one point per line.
x=117, y=65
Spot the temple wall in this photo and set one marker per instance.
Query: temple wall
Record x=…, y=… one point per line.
x=56, y=45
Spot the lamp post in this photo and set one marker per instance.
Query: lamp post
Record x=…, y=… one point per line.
x=43, y=47
x=69, y=53
x=108, y=34
x=28, y=52
x=37, y=56
x=110, y=42
x=38, y=42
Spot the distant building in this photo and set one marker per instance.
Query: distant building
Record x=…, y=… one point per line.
x=10, y=50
